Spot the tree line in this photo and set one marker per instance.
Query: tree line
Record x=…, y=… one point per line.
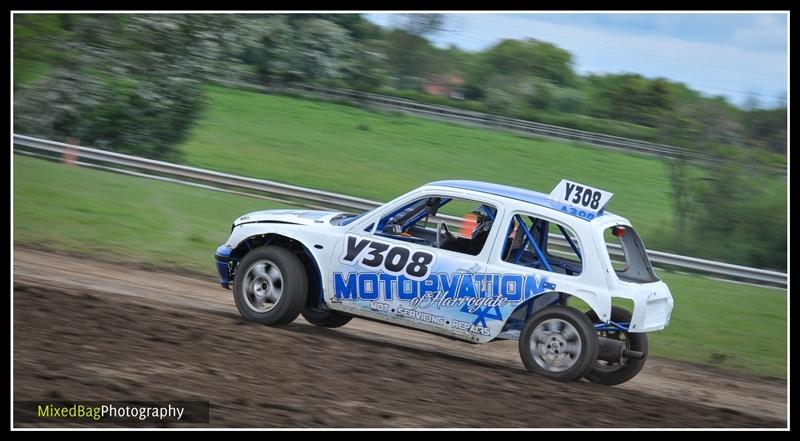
x=528, y=79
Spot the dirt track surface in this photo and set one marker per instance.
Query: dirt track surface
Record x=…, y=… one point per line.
x=89, y=330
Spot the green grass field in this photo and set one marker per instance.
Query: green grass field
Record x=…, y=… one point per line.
x=382, y=155
x=726, y=324
x=134, y=219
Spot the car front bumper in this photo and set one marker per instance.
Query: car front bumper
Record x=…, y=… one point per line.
x=224, y=264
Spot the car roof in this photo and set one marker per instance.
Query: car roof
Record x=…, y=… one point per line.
x=520, y=194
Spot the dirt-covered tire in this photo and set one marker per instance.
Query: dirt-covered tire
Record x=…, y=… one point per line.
x=270, y=286
x=559, y=342
x=611, y=374
x=325, y=317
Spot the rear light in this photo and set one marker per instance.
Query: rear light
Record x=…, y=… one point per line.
x=618, y=231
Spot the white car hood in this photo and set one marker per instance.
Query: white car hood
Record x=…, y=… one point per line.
x=302, y=217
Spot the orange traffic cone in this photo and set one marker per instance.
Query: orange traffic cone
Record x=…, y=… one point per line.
x=71, y=154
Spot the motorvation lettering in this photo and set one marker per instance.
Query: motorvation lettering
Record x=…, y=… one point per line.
x=382, y=286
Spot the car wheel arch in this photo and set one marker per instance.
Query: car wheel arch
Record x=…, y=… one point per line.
x=292, y=244
x=598, y=303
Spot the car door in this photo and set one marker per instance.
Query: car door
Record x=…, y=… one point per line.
x=408, y=279
x=542, y=258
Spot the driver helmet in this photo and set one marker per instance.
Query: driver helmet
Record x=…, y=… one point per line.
x=483, y=220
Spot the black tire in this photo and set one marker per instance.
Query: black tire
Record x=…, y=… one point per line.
x=542, y=358
x=611, y=374
x=325, y=318
x=293, y=286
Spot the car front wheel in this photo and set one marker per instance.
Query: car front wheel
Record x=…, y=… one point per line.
x=270, y=286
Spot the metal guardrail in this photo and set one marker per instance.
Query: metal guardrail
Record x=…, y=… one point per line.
x=24, y=143
x=489, y=121
x=198, y=174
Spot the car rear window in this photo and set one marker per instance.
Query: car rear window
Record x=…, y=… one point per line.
x=628, y=255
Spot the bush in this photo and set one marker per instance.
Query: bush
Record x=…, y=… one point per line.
x=730, y=213
x=129, y=83
x=146, y=117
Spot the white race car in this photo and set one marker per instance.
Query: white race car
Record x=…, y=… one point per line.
x=505, y=269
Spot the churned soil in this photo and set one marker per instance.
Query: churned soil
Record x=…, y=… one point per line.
x=138, y=334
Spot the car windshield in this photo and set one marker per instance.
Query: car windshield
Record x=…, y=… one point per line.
x=346, y=218
x=628, y=255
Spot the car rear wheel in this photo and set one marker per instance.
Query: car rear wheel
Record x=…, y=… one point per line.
x=559, y=342
x=325, y=318
x=613, y=373
x=270, y=286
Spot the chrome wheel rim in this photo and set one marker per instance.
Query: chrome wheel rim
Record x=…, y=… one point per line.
x=555, y=345
x=263, y=286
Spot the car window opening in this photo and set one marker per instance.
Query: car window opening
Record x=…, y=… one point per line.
x=417, y=222
x=628, y=255
x=527, y=244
